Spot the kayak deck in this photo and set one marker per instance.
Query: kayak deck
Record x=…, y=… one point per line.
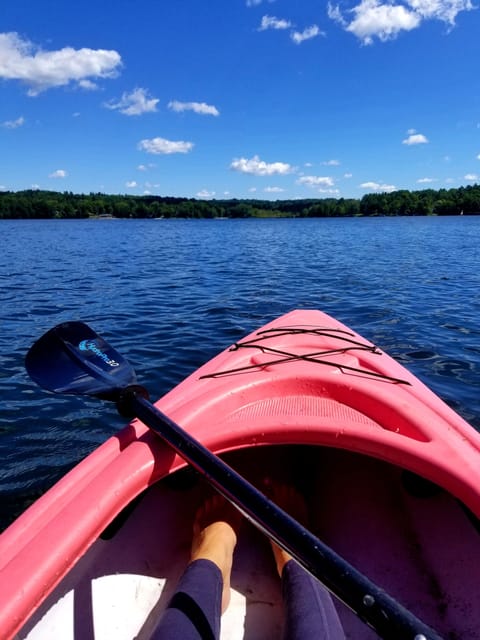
x=420, y=549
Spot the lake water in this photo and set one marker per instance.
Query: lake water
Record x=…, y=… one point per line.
x=170, y=294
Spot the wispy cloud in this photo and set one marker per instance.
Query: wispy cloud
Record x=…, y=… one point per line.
x=271, y=22
x=307, y=34
x=40, y=70
x=204, y=193
x=14, y=124
x=87, y=85
x=316, y=181
x=59, y=173
x=131, y=184
x=376, y=186
x=255, y=3
x=426, y=180
x=202, y=108
x=281, y=24
x=274, y=190
x=385, y=20
x=471, y=177
x=257, y=167
x=162, y=146
x=134, y=103
x=331, y=163
x=444, y=10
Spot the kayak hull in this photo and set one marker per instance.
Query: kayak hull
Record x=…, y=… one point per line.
x=304, y=380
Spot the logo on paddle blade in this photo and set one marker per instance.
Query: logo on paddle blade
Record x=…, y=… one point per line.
x=89, y=345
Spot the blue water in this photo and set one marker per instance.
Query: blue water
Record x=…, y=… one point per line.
x=169, y=294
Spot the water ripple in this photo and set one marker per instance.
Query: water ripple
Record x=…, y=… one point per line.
x=169, y=294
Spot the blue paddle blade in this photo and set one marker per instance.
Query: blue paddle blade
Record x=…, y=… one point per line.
x=72, y=358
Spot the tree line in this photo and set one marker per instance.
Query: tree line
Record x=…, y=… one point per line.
x=38, y=204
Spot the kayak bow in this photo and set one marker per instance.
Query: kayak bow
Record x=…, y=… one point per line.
x=305, y=379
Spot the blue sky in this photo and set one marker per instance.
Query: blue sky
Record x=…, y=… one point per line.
x=239, y=98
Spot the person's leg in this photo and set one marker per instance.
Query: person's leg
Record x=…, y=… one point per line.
x=309, y=610
x=203, y=592
x=195, y=608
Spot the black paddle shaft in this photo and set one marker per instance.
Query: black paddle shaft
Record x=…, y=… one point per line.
x=371, y=604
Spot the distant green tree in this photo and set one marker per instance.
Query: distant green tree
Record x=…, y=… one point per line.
x=50, y=204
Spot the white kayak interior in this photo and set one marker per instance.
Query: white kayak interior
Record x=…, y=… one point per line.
x=422, y=550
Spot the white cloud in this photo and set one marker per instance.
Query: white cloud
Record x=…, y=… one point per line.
x=307, y=34
x=88, y=85
x=14, y=124
x=161, y=146
x=478, y=157
x=415, y=138
x=348, y=175
x=375, y=186
x=426, y=180
x=471, y=177
x=271, y=22
x=204, y=193
x=332, y=192
x=41, y=70
x=385, y=20
x=134, y=103
x=445, y=10
x=131, y=184
x=331, y=163
x=197, y=107
x=316, y=181
x=59, y=173
x=334, y=13
x=372, y=19
x=274, y=190
x=258, y=167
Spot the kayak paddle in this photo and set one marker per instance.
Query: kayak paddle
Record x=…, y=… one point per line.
x=71, y=358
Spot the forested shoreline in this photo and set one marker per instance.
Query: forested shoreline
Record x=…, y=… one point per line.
x=38, y=204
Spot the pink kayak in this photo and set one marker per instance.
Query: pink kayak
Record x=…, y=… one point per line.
x=390, y=473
